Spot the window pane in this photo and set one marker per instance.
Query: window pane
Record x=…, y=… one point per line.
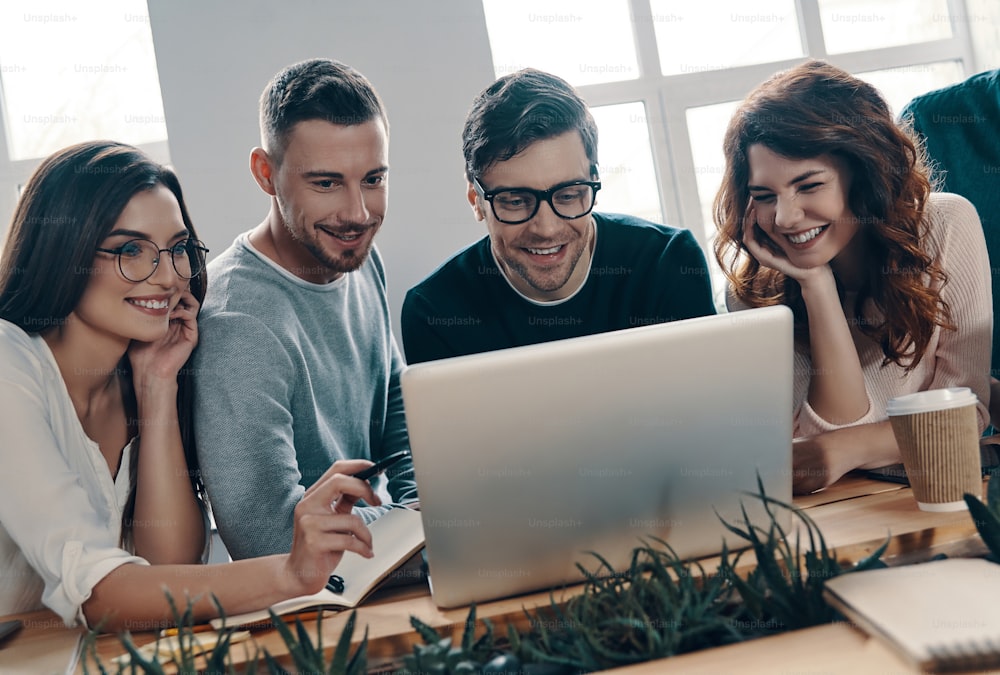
x=583, y=42
x=628, y=179
x=706, y=128
x=698, y=36
x=856, y=25
x=899, y=85
x=75, y=71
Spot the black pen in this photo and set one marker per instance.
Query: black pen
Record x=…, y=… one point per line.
x=335, y=584
x=381, y=465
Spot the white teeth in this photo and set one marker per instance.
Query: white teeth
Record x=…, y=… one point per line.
x=151, y=304
x=803, y=237
x=544, y=251
x=344, y=237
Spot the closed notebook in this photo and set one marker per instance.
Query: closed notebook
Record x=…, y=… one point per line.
x=941, y=615
x=396, y=536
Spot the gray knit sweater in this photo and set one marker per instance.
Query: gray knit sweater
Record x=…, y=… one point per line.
x=290, y=377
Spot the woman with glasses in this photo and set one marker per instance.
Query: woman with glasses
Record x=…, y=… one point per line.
x=101, y=510
x=826, y=207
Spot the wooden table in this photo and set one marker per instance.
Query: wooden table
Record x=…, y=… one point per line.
x=855, y=516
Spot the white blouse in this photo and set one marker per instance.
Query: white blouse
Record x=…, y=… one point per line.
x=60, y=509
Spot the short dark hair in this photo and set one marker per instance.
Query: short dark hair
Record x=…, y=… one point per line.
x=519, y=109
x=321, y=89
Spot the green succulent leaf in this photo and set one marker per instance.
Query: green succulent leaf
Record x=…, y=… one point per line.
x=993, y=493
x=470, y=629
x=273, y=666
x=986, y=522
x=427, y=634
x=340, y=654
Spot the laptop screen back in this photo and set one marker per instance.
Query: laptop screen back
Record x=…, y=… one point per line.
x=528, y=458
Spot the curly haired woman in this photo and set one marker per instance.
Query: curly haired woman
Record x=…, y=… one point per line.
x=826, y=207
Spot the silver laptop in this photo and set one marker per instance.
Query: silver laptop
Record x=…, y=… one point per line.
x=528, y=458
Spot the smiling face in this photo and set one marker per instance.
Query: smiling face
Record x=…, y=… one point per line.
x=547, y=257
x=802, y=205
x=126, y=310
x=331, y=190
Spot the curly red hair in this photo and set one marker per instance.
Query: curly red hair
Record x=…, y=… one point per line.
x=816, y=109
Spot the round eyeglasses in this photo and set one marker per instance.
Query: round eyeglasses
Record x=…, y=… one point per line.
x=139, y=258
x=513, y=206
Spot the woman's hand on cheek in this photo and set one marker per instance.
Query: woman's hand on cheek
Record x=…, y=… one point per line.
x=760, y=245
x=767, y=252
x=166, y=356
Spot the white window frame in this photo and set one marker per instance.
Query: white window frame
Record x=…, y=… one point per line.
x=667, y=97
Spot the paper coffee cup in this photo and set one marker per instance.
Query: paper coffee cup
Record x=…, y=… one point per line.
x=938, y=436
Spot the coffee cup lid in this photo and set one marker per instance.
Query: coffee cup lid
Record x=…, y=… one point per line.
x=932, y=399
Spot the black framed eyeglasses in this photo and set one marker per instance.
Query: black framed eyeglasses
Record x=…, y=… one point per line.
x=513, y=206
x=139, y=258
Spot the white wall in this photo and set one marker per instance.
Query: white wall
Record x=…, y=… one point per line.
x=983, y=17
x=426, y=59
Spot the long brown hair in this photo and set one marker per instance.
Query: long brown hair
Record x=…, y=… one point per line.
x=68, y=206
x=816, y=109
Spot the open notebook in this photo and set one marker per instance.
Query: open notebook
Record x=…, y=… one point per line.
x=941, y=615
x=396, y=536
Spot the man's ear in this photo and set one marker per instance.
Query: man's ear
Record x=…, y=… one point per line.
x=262, y=168
x=474, y=202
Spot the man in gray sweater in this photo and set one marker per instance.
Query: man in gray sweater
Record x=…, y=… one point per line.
x=296, y=364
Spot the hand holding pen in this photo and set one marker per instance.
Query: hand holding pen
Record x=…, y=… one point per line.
x=381, y=465
x=325, y=526
x=335, y=584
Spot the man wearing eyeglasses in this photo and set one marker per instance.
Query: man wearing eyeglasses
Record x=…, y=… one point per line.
x=551, y=267
x=297, y=366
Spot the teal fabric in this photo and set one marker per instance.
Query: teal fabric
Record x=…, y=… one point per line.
x=960, y=125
